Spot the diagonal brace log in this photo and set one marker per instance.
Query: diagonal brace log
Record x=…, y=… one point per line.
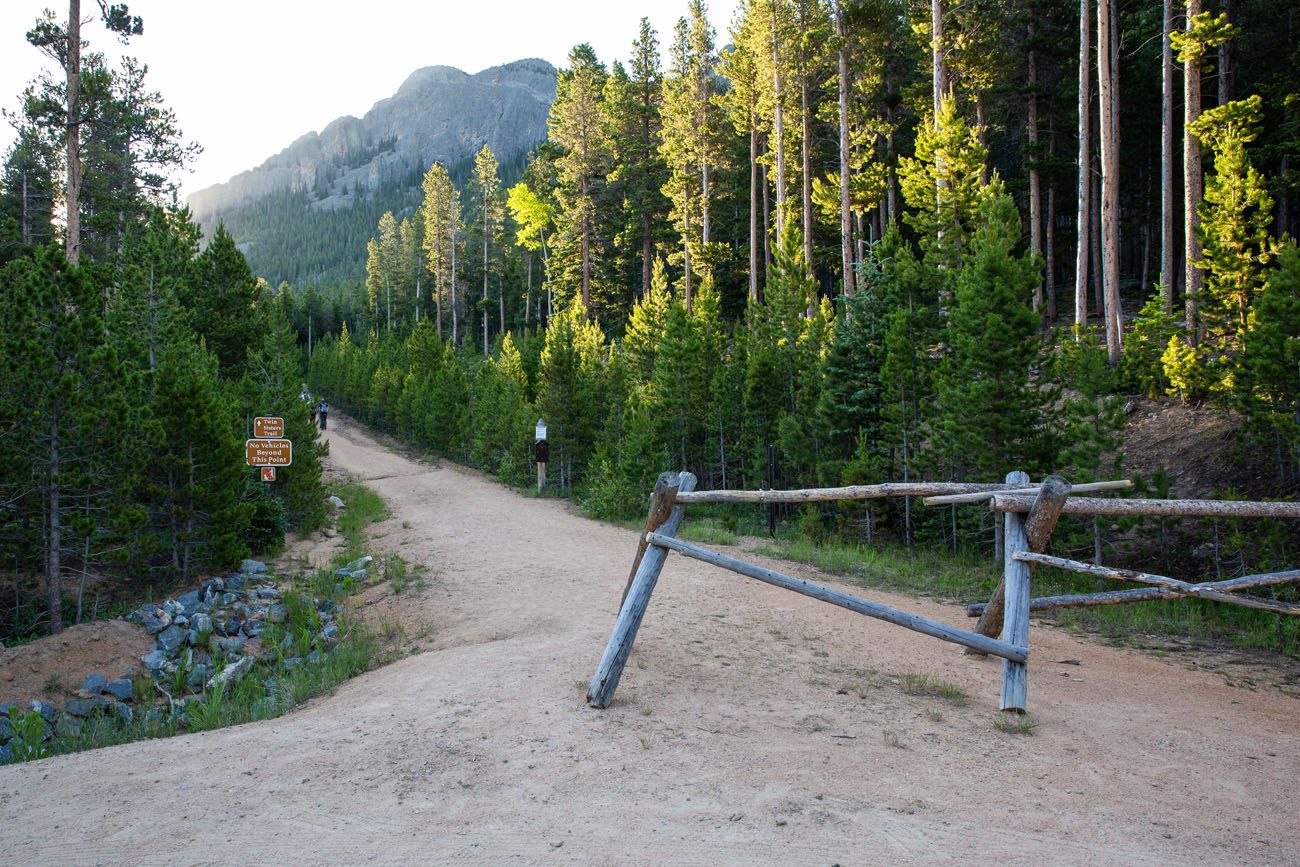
x=1173, y=585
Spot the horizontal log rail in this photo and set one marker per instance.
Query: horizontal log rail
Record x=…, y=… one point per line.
x=981, y=496
x=1176, y=588
x=1021, y=503
x=851, y=492
x=914, y=622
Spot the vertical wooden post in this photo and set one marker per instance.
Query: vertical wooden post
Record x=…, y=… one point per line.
x=541, y=476
x=601, y=691
x=662, y=500
x=1015, y=621
x=1038, y=527
x=990, y=623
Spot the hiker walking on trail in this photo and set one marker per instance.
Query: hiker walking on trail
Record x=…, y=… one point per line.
x=324, y=410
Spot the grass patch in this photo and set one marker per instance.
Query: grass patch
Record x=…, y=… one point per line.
x=924, y=684
x=1015, y=723
x=364, y=507
x=707, y=531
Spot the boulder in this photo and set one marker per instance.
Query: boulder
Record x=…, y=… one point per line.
x=231, y=673
x=121, y=689
x=122, y=712
x=94, y=684
x=253, y=628
x=360, y=563
x=80, y=707
x=153, y=624
x=189, y=602
x=330, y=634
x=231, y=646
x=275, y=614
x=234, y=582
x=153, y=660
x=6, y=707
x=268, y=592
x=336, y=502
x=6, y=729
x=201, y=623
x=252, y=567
x=171, y=638
x=68, y=726
x=45, y=709
x=197, y=676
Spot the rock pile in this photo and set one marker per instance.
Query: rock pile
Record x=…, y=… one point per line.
x=206, y=639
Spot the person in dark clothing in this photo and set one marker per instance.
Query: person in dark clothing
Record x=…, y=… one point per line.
x=323, y=411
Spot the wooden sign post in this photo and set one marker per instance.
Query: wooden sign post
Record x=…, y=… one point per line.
x=542, y=452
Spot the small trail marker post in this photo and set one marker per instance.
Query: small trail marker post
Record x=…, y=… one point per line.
x=542, y=451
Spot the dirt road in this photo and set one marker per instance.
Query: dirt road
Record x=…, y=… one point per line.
x=752, y=726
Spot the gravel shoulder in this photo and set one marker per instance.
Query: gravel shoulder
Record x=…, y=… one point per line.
x=751, y=726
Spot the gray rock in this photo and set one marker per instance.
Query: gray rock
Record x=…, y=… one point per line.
x=229, y=598
x=268, y=592
x=67, y=726
x=192, y=638
x=231, y=646
x=45, y=709
x=234, y=582
x=153, y=624
x=253, y=628
x=275, y=614
x=342, y=572
x=6, y=707
x=360, y=563
x=197, y=676
x=336, y=502
x=171, y=638
x=155, y=715
x=189, y=602
x=121, y=689
x=6, y=756
x=231, y=673
x=80, y=707
x=252, y=567
x=201, y=623
x=330, y=634
x=122, y=712
x=360, y=574
x=6, y=729
x=153, y=660
x=214, y=584
x=291, y=663
x=94, y=684
x=314, y=656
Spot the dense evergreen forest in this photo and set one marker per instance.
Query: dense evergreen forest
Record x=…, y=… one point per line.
x=890, y=241
x=133, y=357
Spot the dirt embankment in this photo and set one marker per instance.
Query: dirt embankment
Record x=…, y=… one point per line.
x=751, y=726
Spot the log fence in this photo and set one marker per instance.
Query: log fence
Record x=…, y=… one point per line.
x=1031, y=513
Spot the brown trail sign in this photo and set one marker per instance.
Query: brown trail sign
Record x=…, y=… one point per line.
x=268, y=453
x=268, y=427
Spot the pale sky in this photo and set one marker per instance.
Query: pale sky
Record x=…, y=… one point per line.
x=247, y=77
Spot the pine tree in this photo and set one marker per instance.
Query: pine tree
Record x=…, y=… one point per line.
x=491, y=213
x=222, y=297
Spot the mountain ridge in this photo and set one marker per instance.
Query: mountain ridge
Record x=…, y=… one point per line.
x=354, y=164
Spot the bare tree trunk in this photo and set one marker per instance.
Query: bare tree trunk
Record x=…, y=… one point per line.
x=1050, y=245
x=1227, y=50
x=647, y=253
x=1167, y=160
x=485, y=276
x=455, y=331
x=846, y=224
x=1108, y=95
x=805, y=122
x=704, y=205
x=54, y=534
x=1191, y=181
x=767, y=227
x=686, y=252
x=72, y=196
x=1085, y=172
x=1095, y=235
x=778, y=120
x=1035, y=190
x=586, y=248
x=753, y=210
x=939, y=73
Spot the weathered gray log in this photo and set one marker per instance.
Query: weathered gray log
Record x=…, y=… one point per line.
x=1087, y=600
x=1164, y=508
x=1015, y=621
x=1183, y=588
x=1038, y=530
x=601, y=691
x=1144, y=594
x=981, y=496
x=914, y=622
x=661, y=506
x=853, y=492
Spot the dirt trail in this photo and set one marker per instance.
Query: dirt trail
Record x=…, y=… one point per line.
x=721, y=748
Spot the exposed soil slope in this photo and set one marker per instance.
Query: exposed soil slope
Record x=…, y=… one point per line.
x=752, y=726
